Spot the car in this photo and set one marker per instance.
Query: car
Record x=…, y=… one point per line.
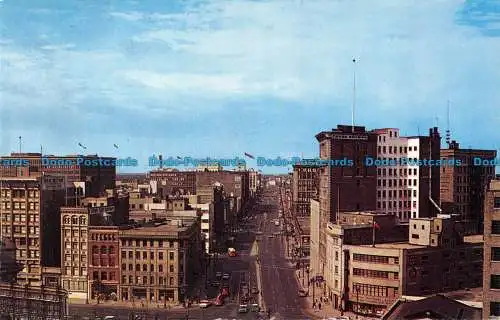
x=303, y=293
x=243, y=308
x=255, y=307
x=270, y=236
x=225, y=292
x=258, y=233
x=218, y=275
x=109, y=318
x=215, y=283
x=205, y=304
x=255, y=290
x=226, y=276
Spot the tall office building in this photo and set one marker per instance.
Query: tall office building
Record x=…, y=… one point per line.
x=305, y=187
x=28, y=208
x=338, y=183
x=463, y=187
x=491, y=267
x=406, y=189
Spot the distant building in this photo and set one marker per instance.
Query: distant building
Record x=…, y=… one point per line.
x=160, y=261
x=491, y=269
x=404, y=189
x=305, y=187
x=84, y=168
x=172, y=182
x=463, y=187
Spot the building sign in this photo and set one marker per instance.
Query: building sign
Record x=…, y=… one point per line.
x=349, y=137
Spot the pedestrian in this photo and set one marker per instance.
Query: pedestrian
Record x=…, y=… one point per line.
x=314, y=304
x=319, y=306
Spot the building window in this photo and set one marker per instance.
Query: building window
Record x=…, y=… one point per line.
x=495, y=254
x=496, y=203
x=495, y=281
x=495, y=309
x=495, y=227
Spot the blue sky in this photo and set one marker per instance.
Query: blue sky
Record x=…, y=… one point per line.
x=219, y=78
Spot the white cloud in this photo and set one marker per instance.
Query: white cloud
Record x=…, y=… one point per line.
x=411, y=54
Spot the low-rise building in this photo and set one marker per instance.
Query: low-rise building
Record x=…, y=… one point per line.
x=160, y=261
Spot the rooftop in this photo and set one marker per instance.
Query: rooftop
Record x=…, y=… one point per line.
x=395, y=245
x=477, y=238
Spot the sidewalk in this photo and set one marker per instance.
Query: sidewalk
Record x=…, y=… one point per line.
x=327, y=309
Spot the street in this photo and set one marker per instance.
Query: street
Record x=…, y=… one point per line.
x=260, y=262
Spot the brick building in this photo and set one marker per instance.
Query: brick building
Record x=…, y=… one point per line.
x=436, y=258
x=491, y=268
x=160, y=262
x=171, y=182
x=403, y=190
x=305, y=185
x=338, y=183
x=463, y=187
x=104, y=262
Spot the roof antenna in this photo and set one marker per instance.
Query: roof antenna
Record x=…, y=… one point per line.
x=448, y=130
x=353, y=93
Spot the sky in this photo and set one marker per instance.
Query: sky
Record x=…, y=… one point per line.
x=220, y=78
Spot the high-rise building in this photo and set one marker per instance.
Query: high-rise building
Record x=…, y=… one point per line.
x=74, y=255
x=171, y=181
x=305, y=185
x=491, y=267
x=29, y=210
x=463, y=187
x=406, y=189
x=340, y=181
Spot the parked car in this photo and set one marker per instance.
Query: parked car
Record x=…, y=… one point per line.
x=218, y=275
x=255, y=290
x=205, y=304
x=243, y=308
x=303, y=293
x=215, y=283
x=255, y=307
x=226, y=276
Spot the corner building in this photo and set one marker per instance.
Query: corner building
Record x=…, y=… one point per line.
x=339, y=184
x=159, y=262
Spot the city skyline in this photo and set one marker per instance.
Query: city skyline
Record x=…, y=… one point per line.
x=221, y=78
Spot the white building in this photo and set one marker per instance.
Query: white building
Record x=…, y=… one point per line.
x=399, y=187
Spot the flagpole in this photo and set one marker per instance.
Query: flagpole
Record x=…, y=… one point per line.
x=353, y=93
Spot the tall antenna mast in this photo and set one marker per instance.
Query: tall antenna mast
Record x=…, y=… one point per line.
x=353, y=93
x=448, y=132
x=20, y=143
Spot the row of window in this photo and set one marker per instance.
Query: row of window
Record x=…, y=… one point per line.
x=75, y=220
x=21, y=230
x=144, y=243
x=20, y=217
x=394, y=172
x=374, y=291
x=145, y=268
x=20, y=193
x=103, y=250
x=393, y=183
x=171, y=255
x=394, y=194
x=374, y=259
x=20, y=205
x=102, y=237
x=394, y=204
x=144, y=280
x=374, y=273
